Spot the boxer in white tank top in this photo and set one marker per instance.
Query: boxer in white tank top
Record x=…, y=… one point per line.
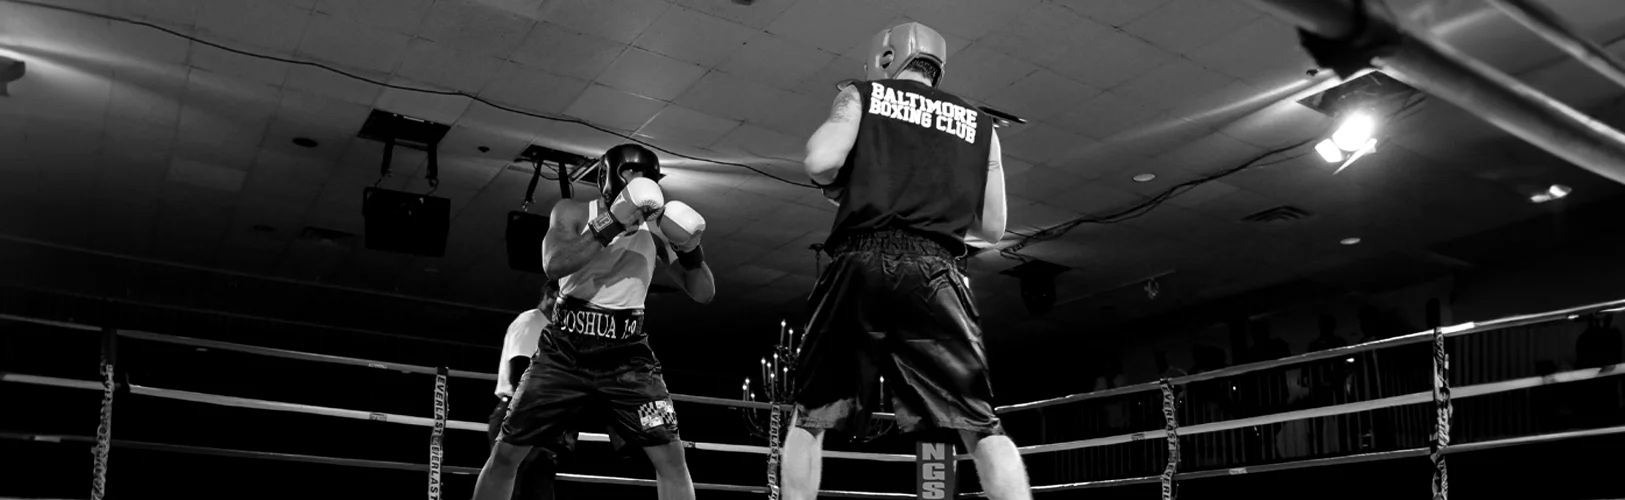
x=595, y=356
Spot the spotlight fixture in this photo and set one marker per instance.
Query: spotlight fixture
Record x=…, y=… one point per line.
x=1556, y=192
x=1145, y=177
x=1354, y=138
x=1350, y=241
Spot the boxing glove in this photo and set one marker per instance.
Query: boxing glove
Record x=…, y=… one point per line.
x=638, y=201
x=682, y=227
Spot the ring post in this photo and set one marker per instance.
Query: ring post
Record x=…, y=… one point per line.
x=104, y=429
x=1171, y=424
x=1442, y=410
x=437, y=436
x=934, y=464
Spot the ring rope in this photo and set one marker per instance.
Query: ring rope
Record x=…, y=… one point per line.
x=437, y=436
x=1449, y=331
x=1421, y=397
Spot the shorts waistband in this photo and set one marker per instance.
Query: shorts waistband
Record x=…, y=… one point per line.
x=890, y=241
x=577, y=317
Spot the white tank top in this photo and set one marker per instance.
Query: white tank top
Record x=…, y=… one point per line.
x=619, y=277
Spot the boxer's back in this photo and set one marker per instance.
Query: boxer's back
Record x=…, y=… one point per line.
x=919, y=163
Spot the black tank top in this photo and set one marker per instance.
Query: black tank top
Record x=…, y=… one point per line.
x=919, y=164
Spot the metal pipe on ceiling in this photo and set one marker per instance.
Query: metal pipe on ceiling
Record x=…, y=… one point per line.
x=1550, y=25
x=1448, y=74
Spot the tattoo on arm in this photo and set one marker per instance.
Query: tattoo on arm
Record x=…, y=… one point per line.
x=995, y=164
x=847, y=107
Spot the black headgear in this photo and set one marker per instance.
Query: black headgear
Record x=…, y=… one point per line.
x=624, y=157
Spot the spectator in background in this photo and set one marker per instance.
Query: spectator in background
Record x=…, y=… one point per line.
x=1268, y=393
x=536, y=473
x=1327, y=381
x=1601, y=345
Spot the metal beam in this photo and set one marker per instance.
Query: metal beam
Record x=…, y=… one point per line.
x=1550, y=25
x=1482, y=90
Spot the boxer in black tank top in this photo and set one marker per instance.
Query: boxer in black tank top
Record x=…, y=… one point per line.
x=914, y=170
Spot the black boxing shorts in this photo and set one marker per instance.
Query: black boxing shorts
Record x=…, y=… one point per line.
x=592, y=365
x=894, y=304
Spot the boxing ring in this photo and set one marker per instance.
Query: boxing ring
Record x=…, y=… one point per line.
x=1179, y=440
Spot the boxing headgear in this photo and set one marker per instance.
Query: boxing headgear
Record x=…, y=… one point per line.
x=893, y=48
x=621, y=158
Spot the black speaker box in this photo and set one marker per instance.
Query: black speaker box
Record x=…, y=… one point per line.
x=525, y=233
x=405, y=222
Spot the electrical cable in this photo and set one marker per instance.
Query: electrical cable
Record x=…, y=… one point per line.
x=403, y=88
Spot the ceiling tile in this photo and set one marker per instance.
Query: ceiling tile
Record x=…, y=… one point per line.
x=1226, y=104
x=1094, y=199
x=758, y=14
x=137, y=143
x=1105, y=115
x=1042, y=183
x=1211, y=154
x=797, y=115
x=1039, y=142
x=1047, y=33
x=1028, y=215
x=971, y=19
x=613, y=108
x=1109, y=60
x=439, y=65
x=131, y=102
x=1178, y=82
x=821, y=83
x=532, y=89
x=272, y=25
x=651, y=75
x=776, y=61
x=1235, y=205
x=347, y=43
x=617, y=20
x=831, y=25
x=1041, y=95
x=1166, y=178
x=981, y=71
x=438, y=108
x=1185, y=25
x=1097, y=159
x=502, y=122
x=1202, y=193
x=330, y=122
x=400, y=16
x=565, y=52
x=177, y=12
x=286, y=172
x=206, y=176
x=752, y=141
x=1278, y=125
x=685, y=126
x=238, y=66
x=468, y=26
x=1113, y=12
x=132, y=42
x=324, y=82
x=729, y=96
x=1262, y=46
x=694, y=37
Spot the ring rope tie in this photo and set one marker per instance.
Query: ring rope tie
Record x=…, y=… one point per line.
x=774, y=450
x=104, y=432
x=437, y=436
x=1443, y=411
x=1171, y=424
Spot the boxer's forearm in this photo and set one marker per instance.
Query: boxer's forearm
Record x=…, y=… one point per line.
x=699, y=283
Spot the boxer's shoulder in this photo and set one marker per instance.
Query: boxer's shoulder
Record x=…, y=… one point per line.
x=570, y=211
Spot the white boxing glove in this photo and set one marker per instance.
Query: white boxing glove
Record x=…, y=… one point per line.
x=638, y=200
x=683, y=227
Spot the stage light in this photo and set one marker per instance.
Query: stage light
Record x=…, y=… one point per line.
x=1556, y=192
x=1355, y=131
x=1328, y=151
